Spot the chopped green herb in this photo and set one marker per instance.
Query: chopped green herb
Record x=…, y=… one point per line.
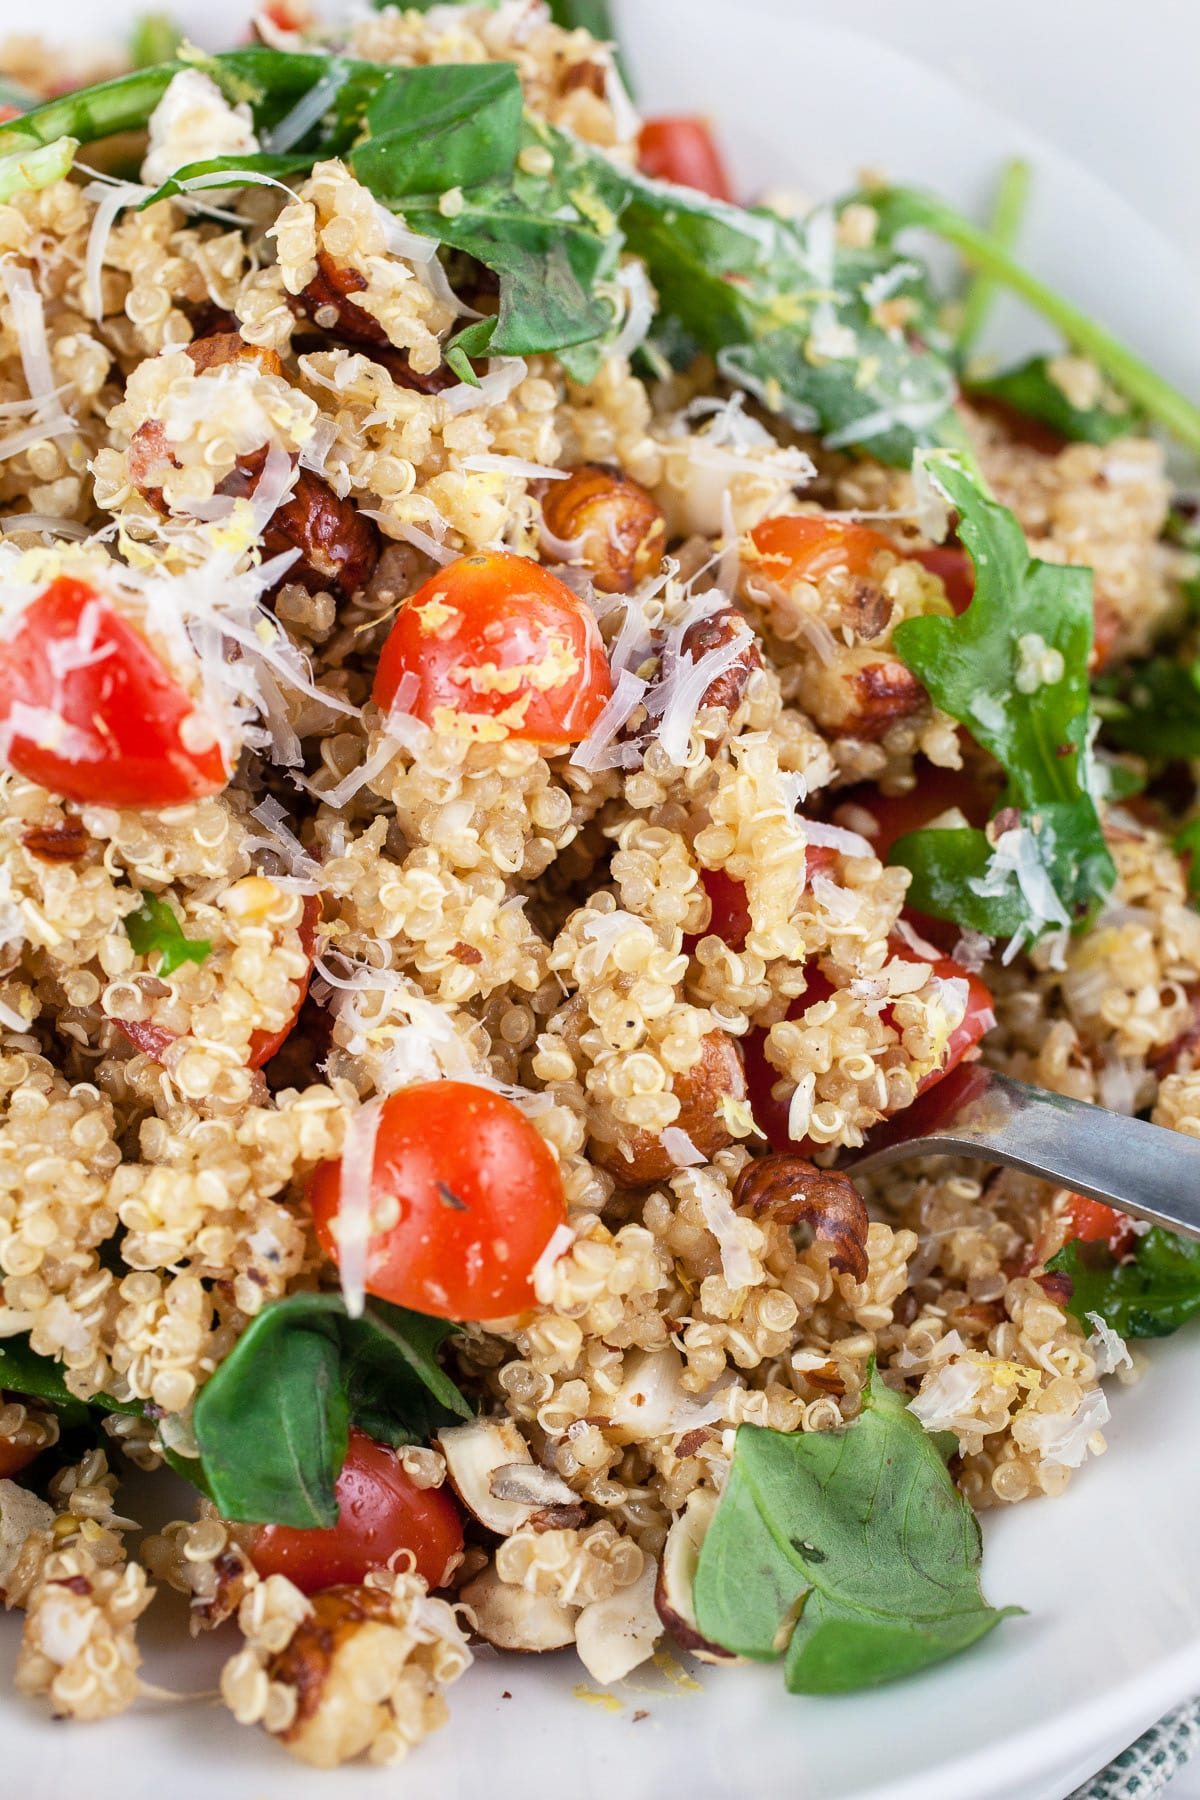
x=1013, y=670
x=1032, y=390
x=272, y=1424
x=1148, y=1295
x=154, y=927
x=23, y=1371
x=850, y=1552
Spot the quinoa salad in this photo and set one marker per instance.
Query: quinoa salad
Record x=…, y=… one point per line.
x=538, y=704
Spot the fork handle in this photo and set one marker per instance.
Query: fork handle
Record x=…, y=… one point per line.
x=975, y=1112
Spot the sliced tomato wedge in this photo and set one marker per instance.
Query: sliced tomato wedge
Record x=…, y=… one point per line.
x=496, y=646
x=680, y=147
x=89, y=710
x=809, y=546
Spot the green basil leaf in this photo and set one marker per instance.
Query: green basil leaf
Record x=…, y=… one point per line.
x=154, y=927
x=443, y=126
x=857, y=1535
x=273, y=1423
x=1032, y=390
x=1150, y=1294
x=23, y=1371
x=976, y=668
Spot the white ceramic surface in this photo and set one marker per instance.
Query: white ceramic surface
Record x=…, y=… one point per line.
x=1110, y=1574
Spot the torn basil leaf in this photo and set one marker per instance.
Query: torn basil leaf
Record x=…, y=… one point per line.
x=1013, y=669
x=850, y=1553
x=272, y=1424
x=1150, y=1294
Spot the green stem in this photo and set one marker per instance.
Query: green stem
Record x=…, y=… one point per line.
x=26, y=171
x=1007, y=216
x=900, y=208
x=124, y=104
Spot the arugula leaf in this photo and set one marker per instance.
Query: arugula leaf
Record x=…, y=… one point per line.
x=1032, y=390
x=273, y=1421
x=1149, y=1295
x=1153, y=707
x=790, y=315
x=154, y=927
x=196, y=177
x=901, y=208
x=448, y=125
x=977, y=668
x=858, y=1535
x=552, y=239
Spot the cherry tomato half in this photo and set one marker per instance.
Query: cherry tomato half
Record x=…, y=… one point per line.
x=954, y=569
x=808, y=546
x=680, y=148
x=265, y=1044
x=1075, y=1218
x=381, y=1512
x=478, y=1195
x=894, y=815
x=772, y=1114
x=88, y=709
x=498, y=642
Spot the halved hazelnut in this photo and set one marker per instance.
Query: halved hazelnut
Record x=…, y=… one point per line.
x=674, y=1595
x=510, y=1618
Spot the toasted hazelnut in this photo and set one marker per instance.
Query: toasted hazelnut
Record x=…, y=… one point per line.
x=614, y=528
x=713, y=633
x=326, y=301
x=640, y=1157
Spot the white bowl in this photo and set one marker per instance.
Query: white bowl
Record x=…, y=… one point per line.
x=1110, y=1574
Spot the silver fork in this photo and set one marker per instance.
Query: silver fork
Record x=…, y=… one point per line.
x=1139, y=1168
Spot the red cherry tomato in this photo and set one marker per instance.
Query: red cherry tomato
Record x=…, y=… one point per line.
x=478, y=1195
x=381, y=1512
x=681, y=149
x=265, y=1044
x=895, y=815
x=498, y=637
x=729, y=913
x=808, y=546
x=14, y=1457
x=1092, y=1222
x=954, y=568
x=88, y=709
x=772, y=1114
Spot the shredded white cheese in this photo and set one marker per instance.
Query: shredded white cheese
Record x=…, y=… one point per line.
x=1109, y=1349
x=355, y=1197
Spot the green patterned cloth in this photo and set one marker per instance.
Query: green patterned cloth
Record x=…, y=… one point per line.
x=1146, y=1768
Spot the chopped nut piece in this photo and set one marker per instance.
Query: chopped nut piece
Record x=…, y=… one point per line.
x=641, y=1157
